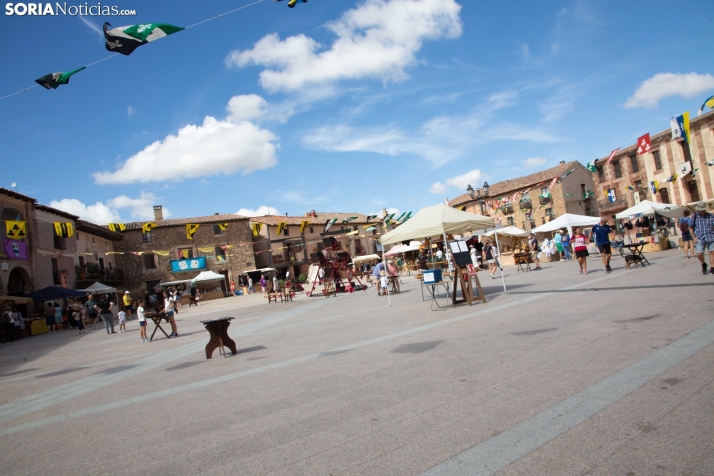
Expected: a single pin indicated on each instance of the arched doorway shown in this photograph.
(18, 283)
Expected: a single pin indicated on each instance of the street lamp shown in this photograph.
(485, 189)
(470, 191)
(476, 194)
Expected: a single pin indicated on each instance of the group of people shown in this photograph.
(698, 235)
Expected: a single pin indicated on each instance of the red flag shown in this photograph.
(555, 179)
(643, 144)
(612, 154)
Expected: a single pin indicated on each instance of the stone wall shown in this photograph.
(239, 256)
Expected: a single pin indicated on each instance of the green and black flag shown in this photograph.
(53, 80)
(125, 39)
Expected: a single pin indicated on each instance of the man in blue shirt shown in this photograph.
(601, 234)
(702, 225)
(377, 273)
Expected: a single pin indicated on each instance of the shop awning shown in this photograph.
(99, 288)
(15, 300)
(51, 293)
(208, 276)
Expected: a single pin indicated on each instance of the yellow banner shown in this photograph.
(16, 230)
(116, 227)
(191, 230)
(147, 227)
(256, 228)
(303, 224)
(223, 226)
(281, 227)
(64, 229)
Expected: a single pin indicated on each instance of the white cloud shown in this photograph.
(393, 210)
(378, 39)
(246, 107)
(214, 147)
(130, 111)
(464, 180)
(141, 208)
(438, 188)
(534, 161)
(259, 212)
(662, 85)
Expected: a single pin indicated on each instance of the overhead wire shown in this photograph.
(117, 54)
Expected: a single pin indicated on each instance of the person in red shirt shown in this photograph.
(580, 246)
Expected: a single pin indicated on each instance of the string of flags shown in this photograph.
(124, 40)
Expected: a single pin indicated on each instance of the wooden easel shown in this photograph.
(467, 288)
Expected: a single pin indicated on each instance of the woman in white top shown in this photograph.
(169, 311)
(142, 320)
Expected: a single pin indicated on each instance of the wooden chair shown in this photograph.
(273, 294)
(329, 288)
(523, 261)
(287, 292)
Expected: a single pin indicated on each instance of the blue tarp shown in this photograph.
(50, 293)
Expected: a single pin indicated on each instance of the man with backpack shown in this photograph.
(684, 227)
(702, 226)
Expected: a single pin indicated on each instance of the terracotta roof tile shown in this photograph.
(14, 194)
(55, 211)
(519, 183)
(185, 221)
(322, 217)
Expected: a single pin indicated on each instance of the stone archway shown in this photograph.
(19, 282)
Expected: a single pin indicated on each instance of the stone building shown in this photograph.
(290, 250)
(95, 258)
(221, 243)
(667, 157)
(54, 255)
(529, 201)
(17, 273)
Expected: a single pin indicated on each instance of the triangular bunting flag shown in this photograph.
(54, 80)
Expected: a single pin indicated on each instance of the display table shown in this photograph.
(156, 319)
(431, 289)
(218, 330)
(37, 326)
(636, 250)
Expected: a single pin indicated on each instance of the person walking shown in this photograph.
(233, 289)
(251, 289)
(169, 312)
(8, 323)
(122, 321)
(558, 242)
(58, 317)
(565, 242)
(91, 307)
(263, 283)
(533, 248)
(192, 298)
(142, 320)
(474, 258)
(702, 226)
(50, 318)
(489, 256)
(127, 303)
(377, 274)
(601, 233)
(76, 316)
(685, 226)
(104, 309)
(580, 245)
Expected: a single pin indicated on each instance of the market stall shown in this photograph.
(208, 283)
(510, 242)
(655, 239)
(438, 221)
(23, 305)
(36, 323)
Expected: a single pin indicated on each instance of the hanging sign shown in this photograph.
(190, 264)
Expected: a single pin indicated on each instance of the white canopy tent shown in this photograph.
(413, 246)
(646, 207)
(359, 259)
(395, 250)
(438, 221)
(506, 231)
(208, 276)
(568, 221)
(99, 288)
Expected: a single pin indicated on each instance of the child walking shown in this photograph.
(142, 320)
(122, 321)
(383, 282)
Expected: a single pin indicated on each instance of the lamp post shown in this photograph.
(476, 194)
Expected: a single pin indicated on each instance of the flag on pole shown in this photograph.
(328, 224)
(53, 80)
(591, 167)
(611, 195)
(125, 39)
(709, 102)
(303, 224)
(644, 144)
(676, 131)
(612, 154)
(116, 227)
(683, 122)
(654, 186)
(191, 230)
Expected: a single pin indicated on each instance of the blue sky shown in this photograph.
(336, 105)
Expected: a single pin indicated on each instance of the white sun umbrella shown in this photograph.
(395, 250)
(567, 220)
(645, 207)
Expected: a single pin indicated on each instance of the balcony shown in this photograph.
(91, 273)
(605, 205)
(507, 209)
(526, 205)
(545, 200)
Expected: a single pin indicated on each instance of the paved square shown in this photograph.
(565, 374)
